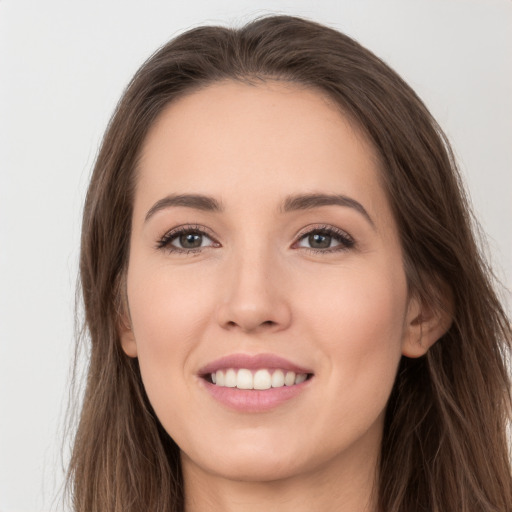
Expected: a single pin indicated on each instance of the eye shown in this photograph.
(325, 239)
(186, 240)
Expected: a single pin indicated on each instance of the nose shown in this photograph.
(254, 296)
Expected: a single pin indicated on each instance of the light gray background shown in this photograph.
(63, 66)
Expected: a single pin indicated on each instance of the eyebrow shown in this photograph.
(195, 201)
(310, 201)
(291, 203)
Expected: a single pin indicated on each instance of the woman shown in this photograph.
(285, 301)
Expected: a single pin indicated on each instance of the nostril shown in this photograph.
(266, 323)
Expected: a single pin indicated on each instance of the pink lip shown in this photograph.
(252, 401)
(252, 362)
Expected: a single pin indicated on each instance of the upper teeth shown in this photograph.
(260, 379)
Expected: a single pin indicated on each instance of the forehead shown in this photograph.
(261, 140)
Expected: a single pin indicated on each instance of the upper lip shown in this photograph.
(252, 362)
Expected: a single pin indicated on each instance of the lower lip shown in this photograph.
(254, 400)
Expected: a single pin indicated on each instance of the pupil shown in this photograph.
(190, 241)
(319, 241)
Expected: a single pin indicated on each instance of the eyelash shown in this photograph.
(166, 241)
(346, 242)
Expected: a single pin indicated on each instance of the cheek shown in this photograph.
(358, 320)
(362, 304)
(168, 315)
(166, 304)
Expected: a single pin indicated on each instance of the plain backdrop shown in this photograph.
(63, 65)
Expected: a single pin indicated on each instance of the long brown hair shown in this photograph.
(444, 446)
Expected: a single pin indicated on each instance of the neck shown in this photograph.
(341, 485)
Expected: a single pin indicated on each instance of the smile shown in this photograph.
(254, 383)
(260, 379)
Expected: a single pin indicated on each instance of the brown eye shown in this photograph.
(189, 241)
(326, 240)
(319, 241)
(185, 240)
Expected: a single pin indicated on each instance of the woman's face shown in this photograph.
(263, 251)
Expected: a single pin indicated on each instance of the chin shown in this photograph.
(255, 467)
(247, 456)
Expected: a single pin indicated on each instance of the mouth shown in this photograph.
(258, 379)
(254, 383)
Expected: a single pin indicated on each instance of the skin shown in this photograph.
(255, 286)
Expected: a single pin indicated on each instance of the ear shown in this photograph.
(126, 337)
(425, 324)
(124, 323)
